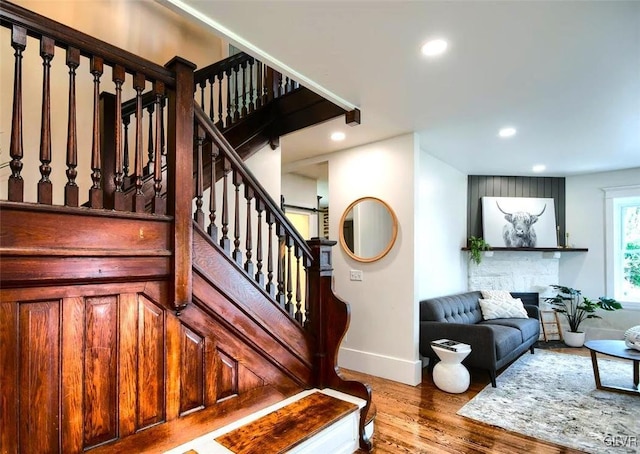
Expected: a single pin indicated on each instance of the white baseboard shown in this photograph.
(396, 369)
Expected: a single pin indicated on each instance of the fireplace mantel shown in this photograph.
(535, 249)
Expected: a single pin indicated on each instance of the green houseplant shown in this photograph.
(476, 246)
(577, 308)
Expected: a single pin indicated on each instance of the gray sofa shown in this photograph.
(494, 343)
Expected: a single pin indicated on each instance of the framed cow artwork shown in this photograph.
(519, 222)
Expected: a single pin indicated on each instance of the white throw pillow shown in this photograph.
(512, 308)
(496, 295)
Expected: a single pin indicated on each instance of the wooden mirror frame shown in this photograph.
(392, 240)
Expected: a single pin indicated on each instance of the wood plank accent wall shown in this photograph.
(509, 186)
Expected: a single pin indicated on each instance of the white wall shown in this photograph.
(381, 337)
(586, 226)
(441, 229)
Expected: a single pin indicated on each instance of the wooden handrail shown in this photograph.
(65, 37)
(250, 180)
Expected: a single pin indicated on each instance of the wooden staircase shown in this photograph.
(170, 304)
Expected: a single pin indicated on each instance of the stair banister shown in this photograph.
(250, 180)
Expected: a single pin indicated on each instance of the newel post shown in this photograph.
(329, 319)
(319, 276)
(180, 176)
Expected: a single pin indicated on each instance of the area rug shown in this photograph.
(552, 396)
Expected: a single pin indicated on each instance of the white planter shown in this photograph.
(573, 339)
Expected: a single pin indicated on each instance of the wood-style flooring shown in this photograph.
(422, 419)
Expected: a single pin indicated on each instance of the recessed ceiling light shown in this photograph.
(434, 47)
(507, 132)
(539, 168)
(337, 136)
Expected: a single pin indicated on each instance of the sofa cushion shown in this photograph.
(507, 339)
(459, 308)
(528, 327)
(511, 308)
(498, 295)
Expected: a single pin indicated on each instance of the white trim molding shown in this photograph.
(612, 236)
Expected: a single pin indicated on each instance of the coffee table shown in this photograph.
(617, 349)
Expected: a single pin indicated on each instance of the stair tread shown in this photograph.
(287, 427)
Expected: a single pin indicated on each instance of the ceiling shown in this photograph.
(565, 74)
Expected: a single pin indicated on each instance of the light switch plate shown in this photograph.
(355, 275)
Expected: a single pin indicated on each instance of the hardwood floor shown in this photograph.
(422, 419)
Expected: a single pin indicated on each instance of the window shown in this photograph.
(627, 264)
(623, 244)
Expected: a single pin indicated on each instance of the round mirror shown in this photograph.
(368, 229)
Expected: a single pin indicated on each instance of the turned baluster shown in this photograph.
(138, 204)
(212, 114)
(213, 229)
(271, 287)
(198, 216)
(203, 86)
(298, 315)
(126, 121)
(289, 304)
(159, 203)
(280, 296)
(16, 147)
(228, 119)
(95, 193)
(45, 190)
(163, 148)
(280, 89)
(251, 95)
(71, 188)
(244, 89)
(259, 93)
(237, 254)
(118, 75)
(248, 264)
(224, 241)
(236, 112)
(259, 274)
(150, 142)
(220, 121)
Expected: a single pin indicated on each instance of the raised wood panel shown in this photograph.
(151, 341)
(73, 312)
(513, 186)
(248, 380)
(128, 364)
(100, 370)
(227, 376)
(192, 391)
(9, 377)
(247, 357)
(39, 376)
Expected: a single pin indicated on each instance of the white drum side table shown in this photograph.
(449, 374)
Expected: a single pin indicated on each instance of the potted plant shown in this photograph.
(476, 246)
(577, 308)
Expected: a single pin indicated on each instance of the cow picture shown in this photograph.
(519, 230)
(519, 222)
